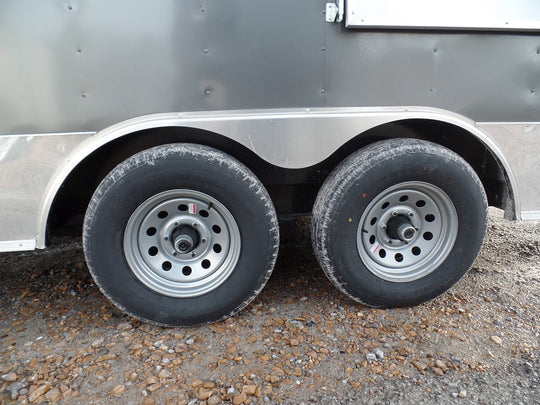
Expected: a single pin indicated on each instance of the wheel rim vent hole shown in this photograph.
(217, 248)
(430, 217)
(385, 205)
(416, 251)
(420, 203)
(398, 257)
(186, 270)
(166, 266)
(204, 213)
(153, 251)
(403, 198)
(382, 253)
(216, 229)
(372, 239)
(205, 264)
(373, 221)
(162, 214)
(428, 235)
(182, 207)
(151, 231)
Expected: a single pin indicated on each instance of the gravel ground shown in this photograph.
(301, 341)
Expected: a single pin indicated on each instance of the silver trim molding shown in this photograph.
(530, 215)
(294, 138)
(17, 245)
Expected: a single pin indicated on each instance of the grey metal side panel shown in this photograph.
(27, 164)
(484, 77)
(499, 15)
(85, 65)
(521, 146)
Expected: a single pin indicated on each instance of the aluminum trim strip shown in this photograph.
(530, 215)
(268, 134)
(17, 245)
(84, 133)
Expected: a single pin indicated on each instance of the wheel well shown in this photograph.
(486, 165)
(292, 190)
(68, 208)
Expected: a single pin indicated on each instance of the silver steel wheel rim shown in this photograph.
(407, 231)
(182, 243)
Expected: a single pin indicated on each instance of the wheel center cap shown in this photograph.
(399, 227)
(185, 238)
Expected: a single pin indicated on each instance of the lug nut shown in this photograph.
(411, 214)
(384, 227)
(394, 213)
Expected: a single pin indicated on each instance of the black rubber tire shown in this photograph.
(351, 187)
(170, 167)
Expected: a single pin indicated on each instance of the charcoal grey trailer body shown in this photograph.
(237, 111)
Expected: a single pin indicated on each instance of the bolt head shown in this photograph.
(394, 213)
(384, 227)
(411, 214)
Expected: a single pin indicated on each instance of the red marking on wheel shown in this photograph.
(376, 248)
(192, 209)
(364, 195)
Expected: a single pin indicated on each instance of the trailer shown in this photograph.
(176, 133)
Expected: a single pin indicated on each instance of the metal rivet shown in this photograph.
(533, 91)
(394, 213)
(411, 214)
(435, 50)
(83, 95)
(322, 91)
(207, 92)
(194, 224)
(431, 89)
(70, 7)
(205, 51)
(384, 227)
(323, 48)
(166, 238)
(538, 51)
(203, 10)
(203, 240)
(79, 50)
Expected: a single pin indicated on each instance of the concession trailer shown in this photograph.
(175, 133)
